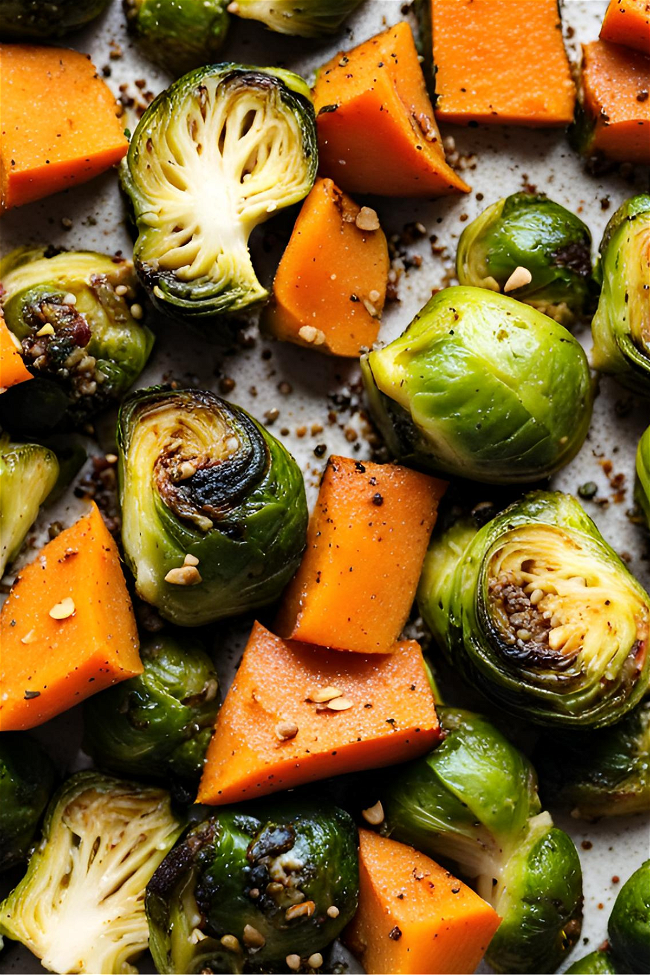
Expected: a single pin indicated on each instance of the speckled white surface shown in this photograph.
(505, 161)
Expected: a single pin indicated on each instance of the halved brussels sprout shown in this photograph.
(540, 614)
(621, 325)
(482, 386)
(304, 18)
(530, 231)
(160, 723)
(213, 156)
(602, 773)
(77, 316)
(26, 782)
(28, 472)
(642, 486)
(596, 963)
(178, 34)
(473, 802)
(214, 516)
(35, 20)
(248, 887)
(80, 906)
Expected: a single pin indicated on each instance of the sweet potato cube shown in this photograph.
(298, 713)
(414, 917)
(330, 286)
(376, 129)
(366, 543)
(67, 629)
(499, 62)
(12, 368)
(627, 22)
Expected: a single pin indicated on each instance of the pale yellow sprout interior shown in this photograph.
(635, 258)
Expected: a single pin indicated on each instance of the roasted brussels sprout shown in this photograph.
(28, 472)
(178, 34)
(247, 888)
(532, 232)
(621, 325)
(160, 723)
(473, 802)
(77, 319)
(26, 781)
(36, 20)
(304, 18)
(482, 386)
(642, 487)
(540, 614)
(80, 906)
(212, 157)
(596, 963)
(214, 515)
(601, 773)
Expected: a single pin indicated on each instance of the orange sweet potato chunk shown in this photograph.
(59, 122)
(47, 665)
(376, 129)
(12, 368)
(501, 63)
(613, 78)
(330, 286)
(392, 717)
(627, 22)
(414, 917)
(366, 543)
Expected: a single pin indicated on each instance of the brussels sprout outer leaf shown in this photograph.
(629, 922)
(26, 781)
(33, 20)
(642, 487)
(28, 472)
(179, 34)
(314, 19)
(596, 963)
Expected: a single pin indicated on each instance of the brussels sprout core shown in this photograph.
(214, 156)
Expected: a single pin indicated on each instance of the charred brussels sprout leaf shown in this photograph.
(215, 155)
(304, 18)
(540, 614)
(35, 20)
(642, 487)
(73, 315)
(629, 923)
(481, 386)
(26, 781)
(178, 34)
(621, 325)
(533, 232)
(202, 480)
(244, 876)
(159, 723)
(28, 472)
(80, 906)
(473, 802)
(602, 773)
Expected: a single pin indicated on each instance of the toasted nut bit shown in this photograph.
(536, 596)
(230, 942)
(312, 335)
(374, 814)
(121, 290)
(29, 637)
(520, 277)
(293, 961)
(315, 960)
(111, 458)
(186, 469)
(333, 911)
(63, 610)
(46, 330)
(322, 694)
(374, 295)
(16, 341)
(370, 308)
(367, 219)
(306, 909)
(69, 299)
(253, 938)
(285, 730)
(137, 311)
(190, 559)
(184, 575)
(340, 704)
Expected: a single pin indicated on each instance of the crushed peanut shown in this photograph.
(63, 610)
(69, 299)
(374, 814)
(315, 960)
(367, 219)
(322, 694)
(374, 295)
(29, 637)
(137, 311)
(185, 470)
(46, 330)
(519, 278)
(333, 911)
(184, 575)
(190, 559)
(122, 289)
(253, 938)
(308, 333)
(340, 704)
(293, 961)
(230, 942)
(111, 458)
(306, 909)
(285, 730)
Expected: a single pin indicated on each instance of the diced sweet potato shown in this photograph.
(627, 22)
(12, 368)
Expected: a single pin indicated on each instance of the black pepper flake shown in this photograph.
(319, 449)
(30, 695)
(395, 934)
(377, 499)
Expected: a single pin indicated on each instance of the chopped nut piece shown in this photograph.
(370, 308)
(520, 277)
(340, 704)
(185, 470)
(333, 911)
(367, 219)
(286, 730)
(306, 909)
(197, 935)
(230, 942)
(121, 290)
(29, 637)
(46, 330)
(253, 938)
(315, 960)
(63, 610)
(137, 311)
(322, 694)
(190, 559)
(374, 814)
(374, 296)
(111, 458)
(184, 575)
(69, 299)
(312, 335)
(293, 961)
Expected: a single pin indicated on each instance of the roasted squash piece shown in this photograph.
(627, 22)
(12, 368)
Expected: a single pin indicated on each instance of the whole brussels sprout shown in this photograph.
(26, 781)
(596, 963)
(539, 613)
(601, 773)
(213, 156)
(159, 723)
(74, 315)
(214, 515)
(482, 386)
(37, 20)
(178, 34)
(80, 906)
(473, 801)
(244, 889)
(621, 325)
(642, 486)
(28, 472)
(316, 18)
(530, 231)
